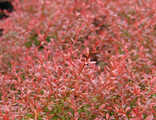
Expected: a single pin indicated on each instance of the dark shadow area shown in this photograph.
(5, 5)
(1, 32)
(2, 15)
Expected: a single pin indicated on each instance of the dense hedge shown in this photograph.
(78, 60)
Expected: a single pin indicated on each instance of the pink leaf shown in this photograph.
(102, 106)
(79, 107)
(116, 109)
(76, 114)
(128, 108)
(87, 50)
(150, 117)
(70, 113)
(107, 115)
(6, 108)
(50, 108)
(65, 103)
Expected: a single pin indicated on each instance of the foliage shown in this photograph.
(78, 60)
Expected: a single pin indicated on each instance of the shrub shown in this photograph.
(78, 60)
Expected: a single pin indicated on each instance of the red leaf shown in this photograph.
(19, 101)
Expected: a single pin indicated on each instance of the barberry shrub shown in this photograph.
(78, 60)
